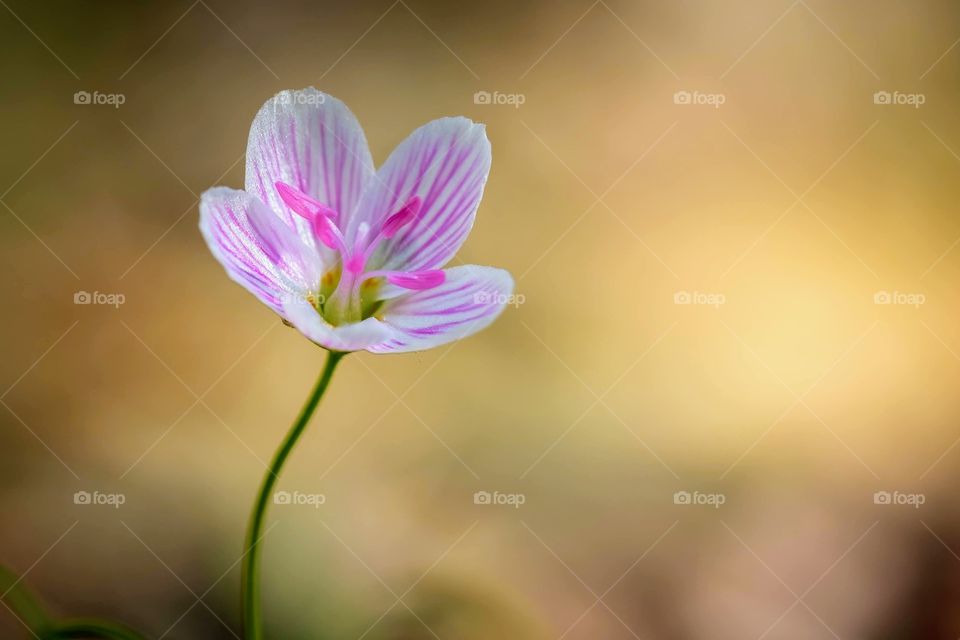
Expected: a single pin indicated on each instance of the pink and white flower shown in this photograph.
(350, 255)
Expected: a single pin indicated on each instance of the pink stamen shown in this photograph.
(328, 233)
(320, 215)
(363, 249)
(346, 297)
(416, 280)
(401, 218)
(302, 204)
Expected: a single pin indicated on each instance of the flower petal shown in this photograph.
(445, 163)
(469, 300)
(256, 248)
(311, 141)
(348, 337)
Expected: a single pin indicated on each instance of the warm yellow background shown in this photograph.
(598, 398)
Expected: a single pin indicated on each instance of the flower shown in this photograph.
(350, 255)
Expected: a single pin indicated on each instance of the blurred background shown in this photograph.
(724, 406)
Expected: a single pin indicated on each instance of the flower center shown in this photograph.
(348, 292)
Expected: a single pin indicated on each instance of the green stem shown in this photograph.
(89, 628)
(31, 613)
(252, 621)
(25, 605)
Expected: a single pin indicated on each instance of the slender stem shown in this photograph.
(252, 622)
(90, 628)
(31, 612)
(25, 605)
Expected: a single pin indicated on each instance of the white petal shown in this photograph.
(311, 141)
(469, 300)
(256, 248)
(348, 337)
(445, 163)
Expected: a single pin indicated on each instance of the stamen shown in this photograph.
(401, 218)
(328, 233)
(416, 280)
(346, 303)
(321, 216)
(302, 204)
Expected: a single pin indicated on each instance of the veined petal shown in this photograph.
(445, 163)
(256, 248)
(311, 141)
(470, 299)
(348, 337)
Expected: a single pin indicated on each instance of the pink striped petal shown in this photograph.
(469, 300)
(256, 248)
(445, 163)
(312, 142)
(348, 337)
(417, 280)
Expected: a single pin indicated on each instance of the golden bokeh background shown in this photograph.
(786, 390)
